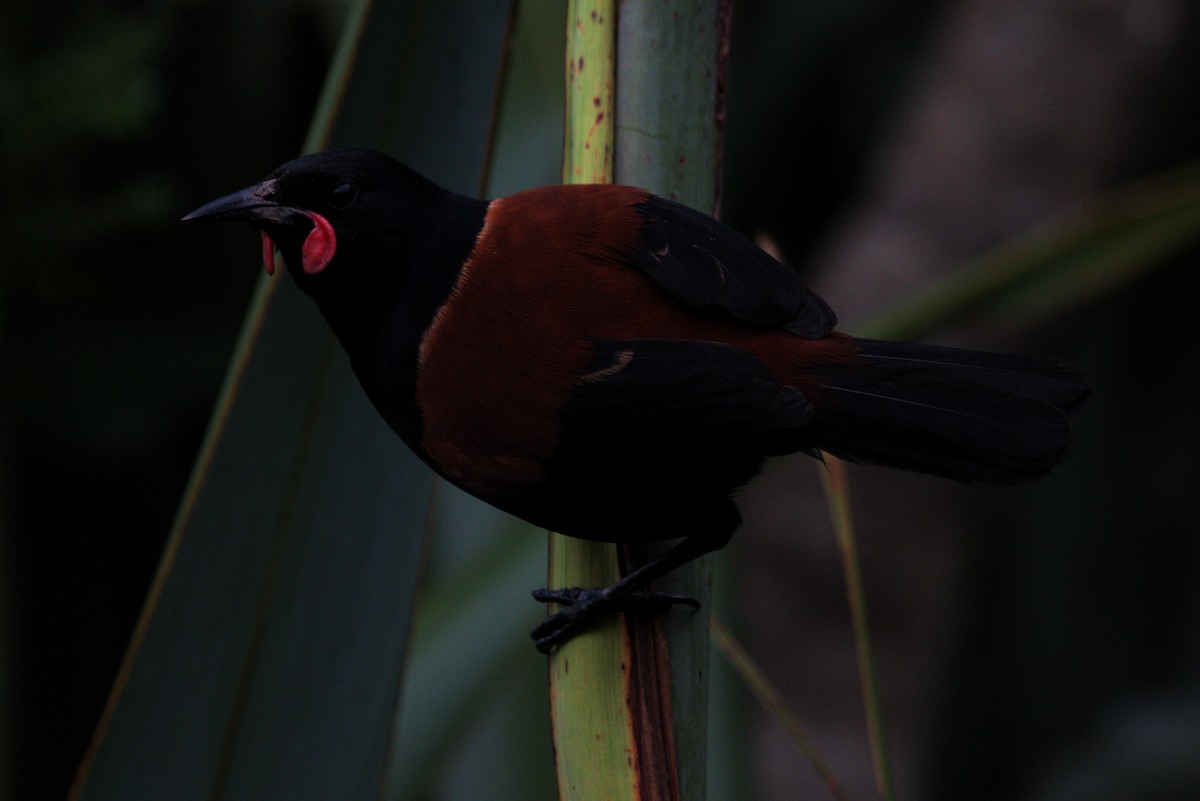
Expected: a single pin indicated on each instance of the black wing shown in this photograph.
(708, 265)
(646, 398)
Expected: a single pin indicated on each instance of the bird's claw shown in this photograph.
(582, 608)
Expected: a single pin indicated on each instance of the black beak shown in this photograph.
(254, 204)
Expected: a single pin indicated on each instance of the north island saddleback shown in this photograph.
(615, 366)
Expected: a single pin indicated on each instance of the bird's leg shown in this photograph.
(583, 607)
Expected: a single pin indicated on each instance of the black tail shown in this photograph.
(991, 417)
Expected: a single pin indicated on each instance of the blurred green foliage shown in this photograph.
(115, 331)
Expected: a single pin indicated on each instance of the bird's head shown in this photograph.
(315, 211)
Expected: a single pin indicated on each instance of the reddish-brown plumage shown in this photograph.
(547, 276)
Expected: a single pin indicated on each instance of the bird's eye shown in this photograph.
(341, 196)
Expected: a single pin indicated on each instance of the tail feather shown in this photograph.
(996, 418)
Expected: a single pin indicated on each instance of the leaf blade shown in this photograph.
(255, 671)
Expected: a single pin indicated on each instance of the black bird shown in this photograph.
(615, 366)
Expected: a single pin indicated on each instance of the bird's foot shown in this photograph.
(582, 608)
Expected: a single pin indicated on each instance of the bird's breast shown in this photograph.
(498, 360)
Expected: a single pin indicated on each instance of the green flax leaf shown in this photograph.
(269, 657)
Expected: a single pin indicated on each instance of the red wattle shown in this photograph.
(319, 245)
(268, 252)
